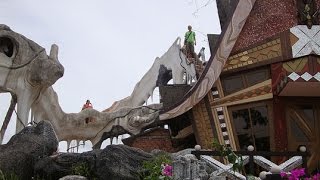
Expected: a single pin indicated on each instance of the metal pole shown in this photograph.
(251, 163)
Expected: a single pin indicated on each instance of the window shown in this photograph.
(256, 77)
(298, 134)
(252, 127)
(308, 111)
(305, 114)
(234, 83)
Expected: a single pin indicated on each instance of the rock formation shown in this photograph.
(32, 153)
(19, 155)
(113, 163)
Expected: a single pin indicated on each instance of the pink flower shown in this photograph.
(283, 174)
(296, 174)
(167, 170)
(316, 176)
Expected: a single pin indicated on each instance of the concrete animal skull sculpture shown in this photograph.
(28, 72)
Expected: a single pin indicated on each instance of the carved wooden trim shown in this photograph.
(256, 55)
(249, 100)
(221, 118)
(286, 39)
(210, 113)
(229, 127)
(217, 124)
(202, 124)
(296, 65)
(253, 93)
(220, 88)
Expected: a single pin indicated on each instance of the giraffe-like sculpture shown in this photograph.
(28, 72)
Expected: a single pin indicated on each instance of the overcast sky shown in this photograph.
(105, 46)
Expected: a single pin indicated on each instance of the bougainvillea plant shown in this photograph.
(158, 168)
(166, 170)
(299, 174)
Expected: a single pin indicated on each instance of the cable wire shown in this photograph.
(25, 64)
(205, 5)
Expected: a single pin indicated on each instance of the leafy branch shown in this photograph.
(227, 153)
(157, 168)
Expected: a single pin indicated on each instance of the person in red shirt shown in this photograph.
(87, 105)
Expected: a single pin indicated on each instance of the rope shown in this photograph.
(25, 64)
(8, 116)
(205, 37)
(21, 66)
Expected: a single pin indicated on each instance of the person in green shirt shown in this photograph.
(190, 42)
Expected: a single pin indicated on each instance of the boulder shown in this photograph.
(19, 155)
(189, 167)
(120, 162)
(113, 163)
(63, 164)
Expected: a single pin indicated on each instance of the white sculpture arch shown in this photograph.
(173, 60)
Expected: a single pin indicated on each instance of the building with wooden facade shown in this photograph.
(268, 92)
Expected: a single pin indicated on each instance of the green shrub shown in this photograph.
(153, 169)
(10, 176)
(82, 169)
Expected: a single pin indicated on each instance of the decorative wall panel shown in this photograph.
(257, 54)
(308, 40)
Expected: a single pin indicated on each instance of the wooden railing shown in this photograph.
(254, 154)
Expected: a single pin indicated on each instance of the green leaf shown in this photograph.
(231, 158)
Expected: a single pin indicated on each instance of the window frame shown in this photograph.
(269, 107)
(243, 76)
